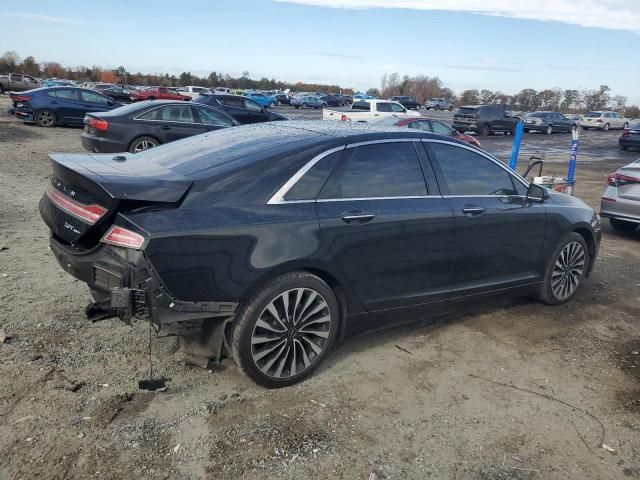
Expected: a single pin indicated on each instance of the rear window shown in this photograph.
(593, 114)
(361, 106)
(467, 110)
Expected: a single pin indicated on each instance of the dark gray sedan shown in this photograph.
(548, 122)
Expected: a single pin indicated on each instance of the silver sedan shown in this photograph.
(621, 200)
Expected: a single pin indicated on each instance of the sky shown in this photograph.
(504, 45)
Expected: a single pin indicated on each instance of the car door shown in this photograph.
(389, 234)
(66, 104)
(94, 102)
(173, 122)
(617, 118)
(563, 122)
(498, 234)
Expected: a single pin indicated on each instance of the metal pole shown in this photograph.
(572, 160)
(513, 161)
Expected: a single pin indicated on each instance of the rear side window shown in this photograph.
(366, 106)
(308, 187)
(592, 114)
(92, 97)
(377, 170)
(469, 173)
(64, 94)
(170, 113)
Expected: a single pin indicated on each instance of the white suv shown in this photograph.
(603, 120)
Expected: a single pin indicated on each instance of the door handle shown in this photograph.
(357, 217)
(165, 127)
(472, 210)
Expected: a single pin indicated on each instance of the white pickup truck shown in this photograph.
(368, 110)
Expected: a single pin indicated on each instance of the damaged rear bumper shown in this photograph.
(124, 284)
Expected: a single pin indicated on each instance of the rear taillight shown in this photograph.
(617, 180)
(87, 213)
(625, 132)
(599, 120)
(122, 237)
(98, 124)
(21, 98)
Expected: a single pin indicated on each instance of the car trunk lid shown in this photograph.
(628, 181)
(86, 192)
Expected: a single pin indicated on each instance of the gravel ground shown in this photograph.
(429, 398)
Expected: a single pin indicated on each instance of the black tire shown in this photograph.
(296, 106)
(304, 105)
(622, 225)
(626, 125)
(151, 98)
(526, 130)
(451, 108)
(45, 118)
(606, 127)
(485, 130)
(585, 128)
(437, 107)
(1, 89)
(143, 143)
(548, 130)
(545, 293)
(624, 148)
(243, 341)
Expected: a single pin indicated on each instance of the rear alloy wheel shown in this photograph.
(606, 127)
(141, 144)
(45, 118)
(304, 105)
(437, 107)
(565, 272)
(622, 225)
(549, 130)
(285, 330)
(485, 130)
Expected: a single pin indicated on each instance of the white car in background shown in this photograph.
(369, 110)
(603, 120)
(192, 91)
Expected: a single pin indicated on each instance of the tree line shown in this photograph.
(421, 87)
(10, 62)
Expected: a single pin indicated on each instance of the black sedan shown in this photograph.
(630, 137)
(143, 125)
(548, 122)
(407, 102)
(118, 93)
(243, 109)
(276, 239)
(332, 101)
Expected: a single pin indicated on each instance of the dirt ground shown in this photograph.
(428, 399)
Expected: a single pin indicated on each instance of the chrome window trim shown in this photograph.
(278, 197)
(172, 121)
(485, 155)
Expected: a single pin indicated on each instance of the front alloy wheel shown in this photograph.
(565, 274)
(284, 331)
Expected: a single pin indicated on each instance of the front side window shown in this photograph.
(441, 128)
(170, 113)
(377, 170)
(92, 97)
(385, 107)
(252, 105)
(211, 117)
(231, 101)
(397, 108)
(471, 174)
(419, 125)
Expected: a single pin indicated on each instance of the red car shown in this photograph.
(157, 93)
(428, 125)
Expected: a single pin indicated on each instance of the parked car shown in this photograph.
(368, 110)
(427, 125)
(331, 101)
(99, 87)
(630, 137)
(226, 90)
(407, 102)
(16, 82)
(157, 93)
(620, 202)
(147, 124)
(48, 107)
(548, 122)
(192, 91)
(265, 234)
(118, 93)
(57, 83)
(262, 100)
(438, 104)
(603, 120)
(282, 99)
(307, 101)
(484, 119)
(243, 109)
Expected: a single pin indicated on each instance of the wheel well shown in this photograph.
(588, 238)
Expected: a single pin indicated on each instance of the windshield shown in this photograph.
(593, 114)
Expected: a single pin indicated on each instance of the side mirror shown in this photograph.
(536, 193)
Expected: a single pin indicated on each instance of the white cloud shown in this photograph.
(610, 14)
(40, 18)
